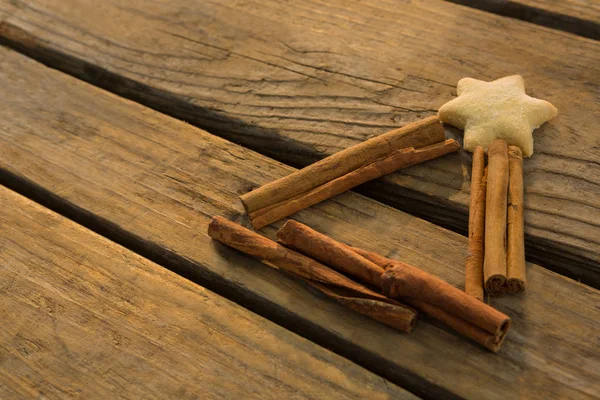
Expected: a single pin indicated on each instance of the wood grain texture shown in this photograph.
(300, 81)
(581, 17)
(84, 317)
(154, 183)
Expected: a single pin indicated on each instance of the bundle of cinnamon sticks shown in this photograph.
(496, 260)
(386, 290)
(333, 284)
(412, 144)
(322, 262)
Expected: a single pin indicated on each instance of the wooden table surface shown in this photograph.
(581, 17)
(96, 320)
(109, 285)
(299, 81)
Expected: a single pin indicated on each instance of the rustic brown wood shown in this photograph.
(154, 183)
(581, 17)
(84, 317)
(299, 81)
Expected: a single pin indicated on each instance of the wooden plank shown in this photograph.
(300, 81)
(153, 183)
(581, 17)
(85, 317)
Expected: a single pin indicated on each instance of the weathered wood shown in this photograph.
(84, 317)
(301, 80)
(154, 183)
(581, 17)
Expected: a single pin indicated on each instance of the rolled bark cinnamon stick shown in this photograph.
(386, 311)
(464, 313)
(419, 134)
(329, 251)
(474, 266)
(494, 264)
(491, 340)
(409, 281)
(405, 281)
(331, 283)
(375, 258)
(515, 264)
(396, 160)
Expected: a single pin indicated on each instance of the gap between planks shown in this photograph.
(574, 16)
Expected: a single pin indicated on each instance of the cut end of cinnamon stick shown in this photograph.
(495, 343)
(495, 285)
(515, 285)
(515, 152)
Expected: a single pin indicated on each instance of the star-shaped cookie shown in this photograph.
(496, 110)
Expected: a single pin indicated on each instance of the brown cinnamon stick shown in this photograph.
(405, 281)
(375, 258)
(419, 134)
(329, 251)
(398, 159)
(384, 310)
(515, 263)
(464, 313)
(491, 340)
(474, 267)
(494, 264)
(331, 283)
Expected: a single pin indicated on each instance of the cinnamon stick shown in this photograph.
(474, 267)
(328, 251)
(515, 262)
(490, 340)
(384, 310)
(329, 282)
(419, 134)
(464, 313)
(405, 281)
(494, 264)
(396, 160)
